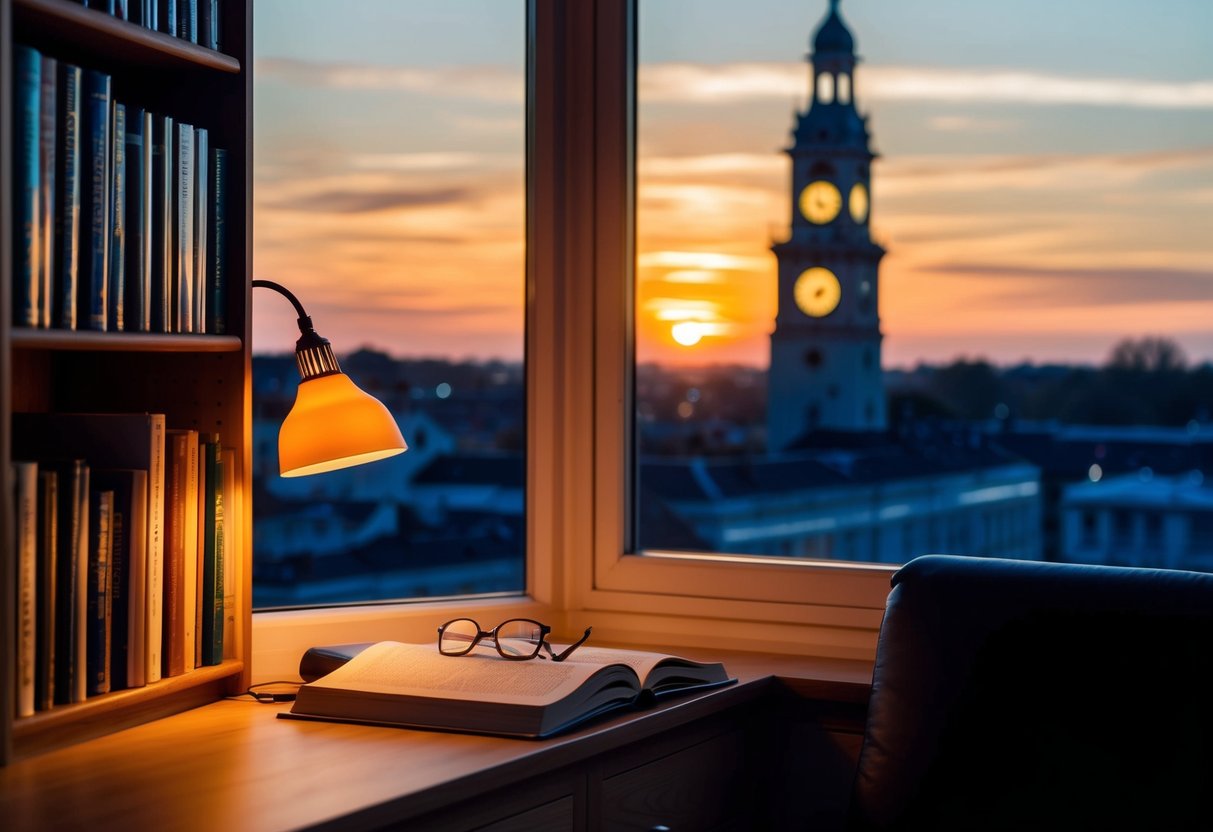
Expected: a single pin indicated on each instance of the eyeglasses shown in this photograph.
(517, 639)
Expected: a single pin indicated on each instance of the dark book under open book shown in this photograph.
(413, 686)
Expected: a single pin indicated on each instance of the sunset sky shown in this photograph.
(1045, 185)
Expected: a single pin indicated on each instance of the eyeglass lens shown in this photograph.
(515, 639)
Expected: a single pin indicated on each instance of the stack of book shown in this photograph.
(119, 212)
(194, 20)
(122, 529)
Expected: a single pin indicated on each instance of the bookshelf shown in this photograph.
(198, 381)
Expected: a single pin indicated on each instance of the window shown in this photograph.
(390, 198)
(1015, 318)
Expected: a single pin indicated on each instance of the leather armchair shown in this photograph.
(1021, 695)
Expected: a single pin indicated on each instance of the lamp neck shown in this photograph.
(313, 354)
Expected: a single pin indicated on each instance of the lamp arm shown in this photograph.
(313, 354)
(305, 320)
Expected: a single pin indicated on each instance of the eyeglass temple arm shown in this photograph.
(564, 654)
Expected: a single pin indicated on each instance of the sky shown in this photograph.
(1044, 186)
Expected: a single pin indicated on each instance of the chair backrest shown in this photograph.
(1014, 695)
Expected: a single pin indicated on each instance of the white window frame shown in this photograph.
(579, 572)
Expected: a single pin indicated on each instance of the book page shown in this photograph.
(393, 668)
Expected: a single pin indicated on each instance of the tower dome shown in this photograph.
(833, 35)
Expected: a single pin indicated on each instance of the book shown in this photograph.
(47, 133)
(412, 685)
(25, 504)
(138, 187)
(161, 207)
(117, 266)
(208, 23)
(217, 245)
(167, 16)
(44, 627)
(201, 212)
(128, 534)
(27, 247)
(67, 187)
(111, 440)
(210, 589)
(99, 611)
(93, 298)
(71, 584)
(182, 282)
(233, 542)
(187, 20)
(180, 550)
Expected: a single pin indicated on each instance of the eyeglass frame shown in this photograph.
(544, 631)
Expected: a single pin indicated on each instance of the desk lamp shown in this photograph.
(333, 424)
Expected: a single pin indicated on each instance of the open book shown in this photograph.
(412, 685)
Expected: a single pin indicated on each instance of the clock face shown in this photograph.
(817, 292)
(859, 203)
(820, 202)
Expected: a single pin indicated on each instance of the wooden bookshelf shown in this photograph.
(197, 381)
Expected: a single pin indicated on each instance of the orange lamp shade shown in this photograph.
(334, 425)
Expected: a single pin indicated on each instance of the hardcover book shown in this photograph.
(27, 65)
(161, 209)
(95, 202)
(44, 626)
(47, 133)
(414, 686)
(137, 221)
(183, 229)
(216, 226)
(117, 212)
(67, 187)
(201, 213)
(25, 475)
(100, 554)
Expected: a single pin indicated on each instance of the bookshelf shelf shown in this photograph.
(52, 339)
(200, 383)
(92, 32)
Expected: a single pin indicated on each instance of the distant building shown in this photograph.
(825, 369)
(1140, 519)
(872, 501)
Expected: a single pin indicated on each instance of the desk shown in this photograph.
(233, 765)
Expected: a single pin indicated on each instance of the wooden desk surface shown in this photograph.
(233, 765)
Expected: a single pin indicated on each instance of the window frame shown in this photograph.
(580, 571)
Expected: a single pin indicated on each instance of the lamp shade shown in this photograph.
(333, 425)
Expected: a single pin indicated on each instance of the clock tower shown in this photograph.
(825, 349)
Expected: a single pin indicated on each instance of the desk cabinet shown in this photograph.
(701, 777)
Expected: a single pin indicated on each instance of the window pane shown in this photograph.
(952, 297)
(389, 197)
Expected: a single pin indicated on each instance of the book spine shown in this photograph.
(48, 521)
(175, 472)
(221, 556)
(201, 210)
(71, 583)
(189, 576)
(48, 112)
(212, 570)
(121, 483)
(117, 209)
(137, 256)
(183, 228)
(67, 175)
(137, 12)
(161, 224)
(101, 510)
(27, 65)
(122, 9)
(200, 557)
(167, 22)
(151, 16)
(233, 541)
(25, 481)
(217, 246)
(155, 548)
(95, 220)
(207, 25)
(136, 640)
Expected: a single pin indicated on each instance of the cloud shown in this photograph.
(712, 164)
(967, 124)
(1047, 286)
(484, 83)
(362, 202)
(681, 82)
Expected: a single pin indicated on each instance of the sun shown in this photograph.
(688, 333)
